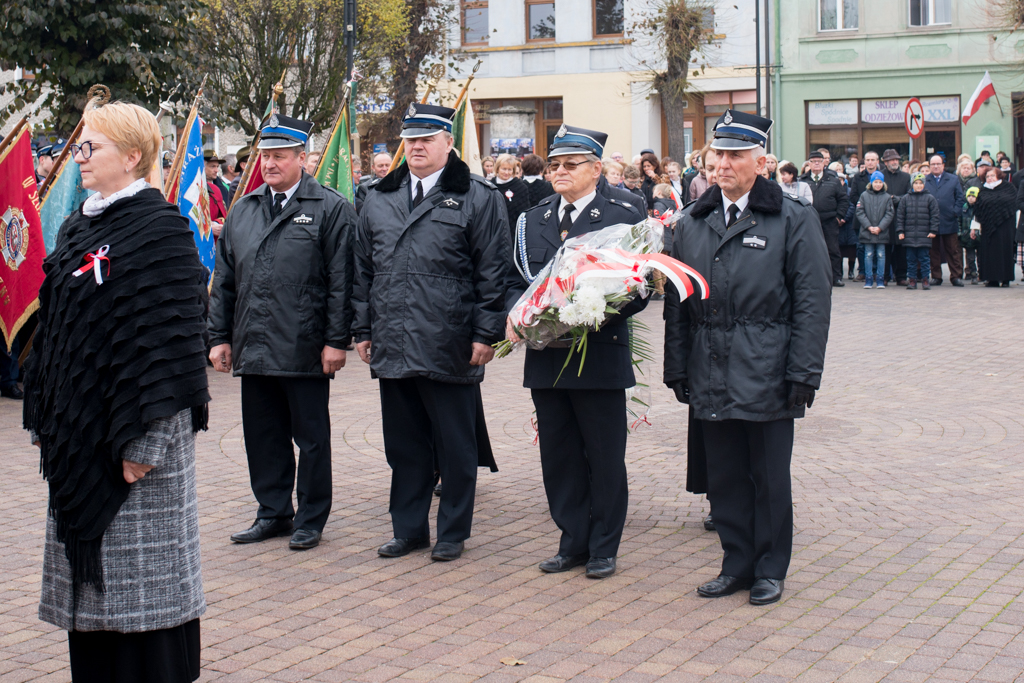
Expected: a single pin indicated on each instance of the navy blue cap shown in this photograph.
(740, 130)
(573, 140)
(284, 131)
(424, 120)
(52, 150)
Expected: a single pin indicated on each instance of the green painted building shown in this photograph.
(846, 70)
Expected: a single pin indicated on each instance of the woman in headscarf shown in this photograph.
(115, 390)
(995, 212)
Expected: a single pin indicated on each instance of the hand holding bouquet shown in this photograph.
(590, 279)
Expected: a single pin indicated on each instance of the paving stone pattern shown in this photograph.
(908, 491)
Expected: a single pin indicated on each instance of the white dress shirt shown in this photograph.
(577, 206)
(741, 203)
(428, 182)
(287, 193)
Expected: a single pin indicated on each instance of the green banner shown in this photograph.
(459, 125)
(335, 169)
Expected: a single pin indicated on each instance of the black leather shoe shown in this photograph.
(563, 563)
(600, 567)
(304, 539)
(766, 591)
(398, 547)
(838, 283)
(709, 524)
(12, 392)
(445, 551)
(956, 282)
(723, 585)
(262, 529)
(936, 282)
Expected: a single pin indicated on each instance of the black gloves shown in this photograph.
(682, 390)
(800, 395)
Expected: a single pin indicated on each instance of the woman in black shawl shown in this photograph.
(515, 191)
(996, 211)
(114, 392)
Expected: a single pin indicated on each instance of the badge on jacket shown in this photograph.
(451, 203)
(302, 218)
(595, 213)
(547, 214)
(508, 193)
(754, 241)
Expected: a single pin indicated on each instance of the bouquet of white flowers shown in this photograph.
(591, 278)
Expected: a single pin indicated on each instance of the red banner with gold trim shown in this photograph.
(21, 238)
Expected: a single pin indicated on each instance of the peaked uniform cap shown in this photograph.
(284, 131)
(424, 120)
(740, 130)
(573, 140)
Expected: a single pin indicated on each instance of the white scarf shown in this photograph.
(95, 204)
(993, 185)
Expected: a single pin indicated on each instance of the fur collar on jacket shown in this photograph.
(455, 177)
(765, 197)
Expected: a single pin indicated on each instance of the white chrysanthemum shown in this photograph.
(591, 303)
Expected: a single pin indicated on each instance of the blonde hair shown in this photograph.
(663, 191)
(131, 128)
(609, 166)
(505, 160)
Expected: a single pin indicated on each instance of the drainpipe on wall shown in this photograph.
(777, 100)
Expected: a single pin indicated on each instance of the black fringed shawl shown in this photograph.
(108, 359)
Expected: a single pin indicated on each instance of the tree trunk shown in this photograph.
(672, 104)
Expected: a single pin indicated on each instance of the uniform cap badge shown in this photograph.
(727, 119)
(274, 121)
(562, 131)
(412, 111)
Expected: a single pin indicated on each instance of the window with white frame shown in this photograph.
(930, 12)
(837, 15)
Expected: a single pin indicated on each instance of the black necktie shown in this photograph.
(278, 203)
(566, 223)
(419, 194)
(734, 212)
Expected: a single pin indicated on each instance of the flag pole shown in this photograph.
(337, 122)
(100, 94)
(240, 190)
(13, 134)
(435, 75)
(179, 155)
(465, 88)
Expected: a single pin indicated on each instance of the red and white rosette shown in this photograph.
(93, 263)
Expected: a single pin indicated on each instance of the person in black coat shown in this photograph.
(897, 184)
(831, 203)
(995, 211)
(431, 255)
(749, 358)
(533, 176)
(515, 191)
(581, 417)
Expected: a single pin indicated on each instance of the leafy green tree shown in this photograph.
(137, 48)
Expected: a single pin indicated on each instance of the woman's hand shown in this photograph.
(134, 471)
(510, 331)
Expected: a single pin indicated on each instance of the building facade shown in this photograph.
(576, 61)
(846, 70)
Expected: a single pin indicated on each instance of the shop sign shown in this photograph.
(941, 109)
(832, 113)
(883, 111)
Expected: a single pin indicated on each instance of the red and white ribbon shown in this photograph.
(92, 262)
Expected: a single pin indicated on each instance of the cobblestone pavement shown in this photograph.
(908, 484)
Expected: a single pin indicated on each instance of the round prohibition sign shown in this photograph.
(913, 118)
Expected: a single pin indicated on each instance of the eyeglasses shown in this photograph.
(569, 166)
(86, 148)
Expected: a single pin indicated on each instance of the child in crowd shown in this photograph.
(633, 180)
(917, 223)
(969, 245)
(663, 202)
(875, 214)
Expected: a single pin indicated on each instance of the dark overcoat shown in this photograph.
(609, 363)
(765, 323)
(430, 280)
(282, 286)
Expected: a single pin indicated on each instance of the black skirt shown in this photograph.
(170, 655)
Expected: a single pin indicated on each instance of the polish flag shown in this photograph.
(984, 91)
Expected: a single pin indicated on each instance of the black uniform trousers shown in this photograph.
(831, 229)
(751, 497)
(275, 412)
(583, 458)
(422, 417)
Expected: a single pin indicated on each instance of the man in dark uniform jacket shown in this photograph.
(749, 358)
(380, 167)
(280, 313)
(432, 254)
(832, 203)
(582, 420)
